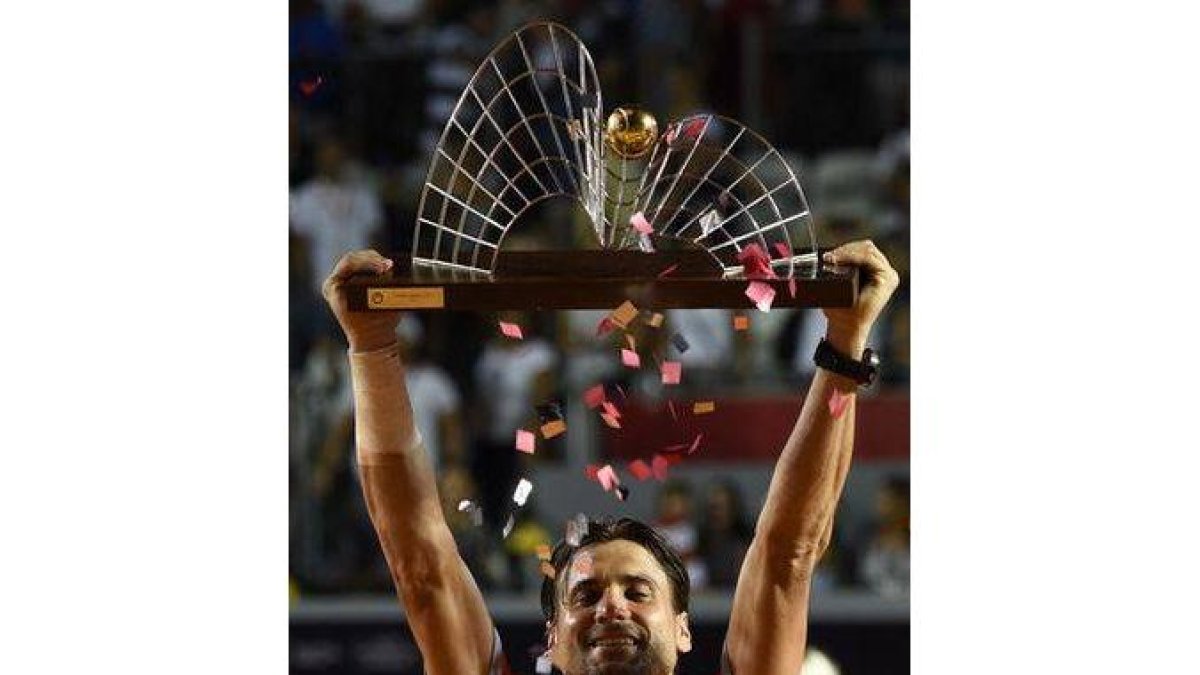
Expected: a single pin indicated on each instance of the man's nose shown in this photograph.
(613, 605)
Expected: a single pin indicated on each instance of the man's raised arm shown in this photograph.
(441, 601)
(769, 623)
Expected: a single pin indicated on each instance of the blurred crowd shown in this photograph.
(372, 83)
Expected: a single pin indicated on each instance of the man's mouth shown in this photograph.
(613, 642)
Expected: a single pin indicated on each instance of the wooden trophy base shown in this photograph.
(541, 280)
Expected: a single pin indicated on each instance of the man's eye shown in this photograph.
(637, 595)
(584, 598)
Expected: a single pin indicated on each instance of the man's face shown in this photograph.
(615, 616)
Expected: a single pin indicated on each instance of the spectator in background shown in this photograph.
(884, 561)
(337, 210)
(455, 487)
(673, 521)
(709, 334)
(437, 405)
(512, 377)
(724, 535)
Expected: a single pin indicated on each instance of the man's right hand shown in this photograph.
(365, 331)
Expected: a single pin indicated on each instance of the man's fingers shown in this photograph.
(862, 253)
(353, 263)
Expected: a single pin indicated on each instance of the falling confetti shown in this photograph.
(525, 441)
(695, 444)
(671, 372)
(473, 510)
(838, 402)
(755, 263)
(622, 315)
(610, 420)
(611, 409)
(631, 342)
(659, 466)
(521, 494)
(782, 249)
(655, 320)
(741, 322)
(703, 407)
(607, 477)
(640, 469)
(693, 128)
(508, 526)
(645, 243)
(709, 221)
(762, 295)
(511, 330)
(630, 359)
(639, 223)
(622, 493)
(594, 396)
(672, 133)
(723, 200)
(671, 407)
(604, 327)
(553, 428)
(544, 665)
(664, 273)
(792, 287)
(680, 343)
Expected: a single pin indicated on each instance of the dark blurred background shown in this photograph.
(371, 84)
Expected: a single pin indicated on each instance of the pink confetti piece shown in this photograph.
(792, 287)
(671, 407)
(640, 469)
(693, 128)
(755, 263)
(511, 330)
(838, 402)
(630, 359)
(604, 327)
(695, 444)
(607, 477)
(671, 372)
(610, 420)
(611, 410)
(525, 441)
(594, 396)
(672, 133)
(621, 391)
(591, 470)
(782, 249)
(639, 223)
(659, 466)
(762, 295)
(665, 272)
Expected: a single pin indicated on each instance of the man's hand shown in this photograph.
(849, 327)
(365, 331)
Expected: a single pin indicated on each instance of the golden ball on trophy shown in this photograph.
(630, 132)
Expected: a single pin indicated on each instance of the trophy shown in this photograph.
(694, 214)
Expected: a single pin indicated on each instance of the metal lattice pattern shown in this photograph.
(528, 127)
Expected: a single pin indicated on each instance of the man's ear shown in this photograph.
(683, 633)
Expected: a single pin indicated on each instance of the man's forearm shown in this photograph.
(798, 513)
(385, 436)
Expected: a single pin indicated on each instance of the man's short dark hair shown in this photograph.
(606, 530)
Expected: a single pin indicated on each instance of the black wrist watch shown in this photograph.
(864, 372)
